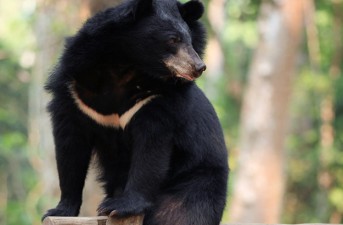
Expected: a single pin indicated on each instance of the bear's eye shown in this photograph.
(174, 40)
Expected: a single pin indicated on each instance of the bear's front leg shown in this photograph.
(128, 204)
(73, 153)
(152, 145)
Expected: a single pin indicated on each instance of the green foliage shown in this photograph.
(17, 173)
(314, 186)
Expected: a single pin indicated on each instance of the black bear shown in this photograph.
(124, 92)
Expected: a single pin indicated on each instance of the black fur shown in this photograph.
(170, 160)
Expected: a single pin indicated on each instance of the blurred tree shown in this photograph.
(327, 115)
(314, 189)
(98, 5)
(16, 59)
(260, 181)
(336, 70)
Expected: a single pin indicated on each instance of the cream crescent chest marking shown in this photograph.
(112, 120)
(127, 116)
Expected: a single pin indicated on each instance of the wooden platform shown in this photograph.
(99, 220)
(104, 220)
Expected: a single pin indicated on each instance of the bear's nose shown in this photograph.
(201, 67)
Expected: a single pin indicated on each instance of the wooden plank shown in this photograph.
(134, 220)
(99, 220)
(56, 220)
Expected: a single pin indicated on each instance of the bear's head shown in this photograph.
(165, 38)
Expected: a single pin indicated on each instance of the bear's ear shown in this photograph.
(192, 10)
(141, 8)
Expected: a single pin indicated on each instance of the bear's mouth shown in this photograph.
(185, 76)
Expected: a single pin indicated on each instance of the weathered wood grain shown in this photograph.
(133, 220)
(99, 220)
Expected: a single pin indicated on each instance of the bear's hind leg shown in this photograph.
(199, 201)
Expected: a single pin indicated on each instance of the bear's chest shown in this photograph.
(114, 120)
(117, 102)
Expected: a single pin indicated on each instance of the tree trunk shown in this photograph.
(214, 57)
(259, 182)
(98, 5)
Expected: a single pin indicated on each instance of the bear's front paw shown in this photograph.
(124, 206)
(63, 209)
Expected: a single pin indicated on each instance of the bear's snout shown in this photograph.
(200, 67)
(186, 63)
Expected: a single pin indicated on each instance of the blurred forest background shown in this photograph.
(274, 76)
